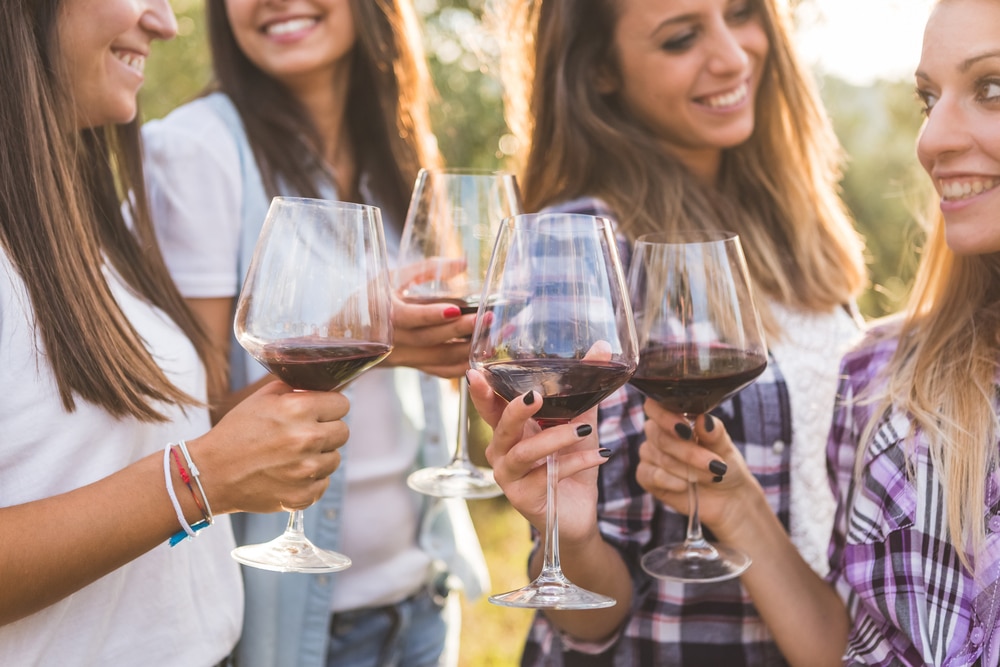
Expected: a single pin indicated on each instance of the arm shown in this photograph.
(274, 452)
(806, 616)
(517, 453)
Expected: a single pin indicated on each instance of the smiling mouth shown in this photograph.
(290, 26)
(957, 190)
(726, 100)
(131, 59)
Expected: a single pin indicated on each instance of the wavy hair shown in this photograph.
(779, 190)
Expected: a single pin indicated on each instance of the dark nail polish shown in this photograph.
(529, 398)
(717, 479)
(683, 430)
(605, 452)
(584, 429)
(709, 424)
(718, 468)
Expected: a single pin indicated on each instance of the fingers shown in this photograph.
(489, 406)
(697, 455)
(415, 316)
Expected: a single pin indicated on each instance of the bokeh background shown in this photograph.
(876, 118)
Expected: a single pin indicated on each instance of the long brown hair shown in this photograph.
(778, 190)
(387, 113)
(62, 194)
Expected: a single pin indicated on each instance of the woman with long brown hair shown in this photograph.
(668, 115)
(104, 372)
(326, 98)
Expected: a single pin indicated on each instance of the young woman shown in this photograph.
(913, 451)
(326, 98)
(103, 375)
(664, 115)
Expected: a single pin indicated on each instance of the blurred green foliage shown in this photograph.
(877, 125)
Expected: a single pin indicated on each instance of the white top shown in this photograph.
(195, 190)
(809, 357)
(172, 606)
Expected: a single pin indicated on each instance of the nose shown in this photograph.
(945, 131)
(158, 19)
(727, 54)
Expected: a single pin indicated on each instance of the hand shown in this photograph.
(671, 456)
(517, 454)
(273, 451)
(433, 338)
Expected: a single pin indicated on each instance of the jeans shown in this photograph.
(410, 633)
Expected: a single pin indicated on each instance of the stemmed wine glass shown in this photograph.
(700, 342)
(557, 322)
(448, 235)
(315, 311)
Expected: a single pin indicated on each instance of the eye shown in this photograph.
(741, 13)
(988, 90)
(680, 43)
(927, 101)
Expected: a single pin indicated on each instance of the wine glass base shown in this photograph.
(695, 564)
(291, 555)
(455, 481)
(553, 595)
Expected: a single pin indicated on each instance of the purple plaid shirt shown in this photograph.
(891, 561)
(670, 623)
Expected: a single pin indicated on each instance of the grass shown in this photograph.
(493, 636)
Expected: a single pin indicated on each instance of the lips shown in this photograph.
(964, 188)
(726, 100)
(290, 25)
(131, 59)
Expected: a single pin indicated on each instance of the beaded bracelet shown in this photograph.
(187, 530)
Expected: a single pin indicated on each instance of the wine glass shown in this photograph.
(700, 342)
(450, 228)
(315, 311)
(569, 336)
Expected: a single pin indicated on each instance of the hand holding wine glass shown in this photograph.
(448, 236)
(315, 309)
(558, 324)
(700, 342)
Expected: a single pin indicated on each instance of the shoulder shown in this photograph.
(195, 127)
(874, 351)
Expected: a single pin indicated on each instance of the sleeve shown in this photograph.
(195, 190)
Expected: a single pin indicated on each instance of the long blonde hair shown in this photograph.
(943, 374)
(779, 190)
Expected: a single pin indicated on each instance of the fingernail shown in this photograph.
(529, 398)
(584, 429)
(718, 468)
(709, 423)
(605, 452)
(451, 312)
(683, 430)
(717, 479)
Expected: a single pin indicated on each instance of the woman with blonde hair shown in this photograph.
(328, 99)
(668, 115)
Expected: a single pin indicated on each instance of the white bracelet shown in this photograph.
(195, 474)
(173, 496)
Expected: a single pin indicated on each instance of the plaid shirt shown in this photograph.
(892, 562)
(672, 623)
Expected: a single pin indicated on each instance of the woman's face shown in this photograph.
(294, 41)
(103, 45)
(689, 71)
(959, 145)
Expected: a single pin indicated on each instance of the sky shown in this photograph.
(863, 40)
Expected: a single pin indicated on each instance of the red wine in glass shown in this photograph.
(319, 364)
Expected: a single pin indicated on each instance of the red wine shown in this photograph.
(318, 364)
(568, 387)
(693, 380)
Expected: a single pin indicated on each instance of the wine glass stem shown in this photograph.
(551, 569)
(296, 525)
(694, 534)
(462, 448)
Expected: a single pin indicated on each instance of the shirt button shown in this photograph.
(977, 636)
(778, 446)
(994, 523)
(330, 514)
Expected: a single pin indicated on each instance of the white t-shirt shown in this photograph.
(196, 191)
(171, 606)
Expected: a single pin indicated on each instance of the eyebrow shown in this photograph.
(966, 64)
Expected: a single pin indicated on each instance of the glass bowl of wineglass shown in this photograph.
(557, 321)
(448, 236)
(315, 310)
(700, 342)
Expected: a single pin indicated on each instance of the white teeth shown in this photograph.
(953, 190)
(132, 60)
(727, 100)
(290, 26)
